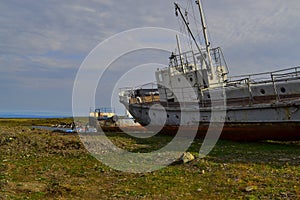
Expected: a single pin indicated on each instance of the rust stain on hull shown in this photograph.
(122, 129)
(243, 132)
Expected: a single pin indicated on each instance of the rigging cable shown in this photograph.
(183, 30)
(197, 23)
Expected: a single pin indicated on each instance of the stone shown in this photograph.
(249, 188)
(187, 157)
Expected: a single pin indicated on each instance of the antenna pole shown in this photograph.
(179, 50)
(207, 43)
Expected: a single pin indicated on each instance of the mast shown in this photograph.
(207, 43)
(179, 50)
(177, 8)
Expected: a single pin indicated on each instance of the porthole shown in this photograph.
(191, 79)
(168, 115)
(283, 90)
(262, 91)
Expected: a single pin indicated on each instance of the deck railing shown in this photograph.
(191, 61)
(273, 77)
(248, 82)
(264, 77)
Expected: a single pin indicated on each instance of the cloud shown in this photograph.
(256, 35)
(48, 40)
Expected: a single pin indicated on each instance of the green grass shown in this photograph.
(32, 122)
(38, 164)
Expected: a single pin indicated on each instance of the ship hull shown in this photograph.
(241, 131)
(244, 123)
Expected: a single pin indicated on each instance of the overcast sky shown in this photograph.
(44, 42)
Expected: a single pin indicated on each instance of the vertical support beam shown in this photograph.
(250, 91)
(179, 50)
(207, 43)
(275, 88)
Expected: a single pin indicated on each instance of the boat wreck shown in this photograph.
(262, 106)
(106, 120)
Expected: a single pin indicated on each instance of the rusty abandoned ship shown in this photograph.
(262, 106)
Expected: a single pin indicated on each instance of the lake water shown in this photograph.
(34, 114)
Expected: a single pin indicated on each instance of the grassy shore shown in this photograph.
(39, 164)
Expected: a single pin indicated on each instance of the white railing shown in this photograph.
(193, 94)
(279, 75)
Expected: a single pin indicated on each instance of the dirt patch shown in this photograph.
(27, 187)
